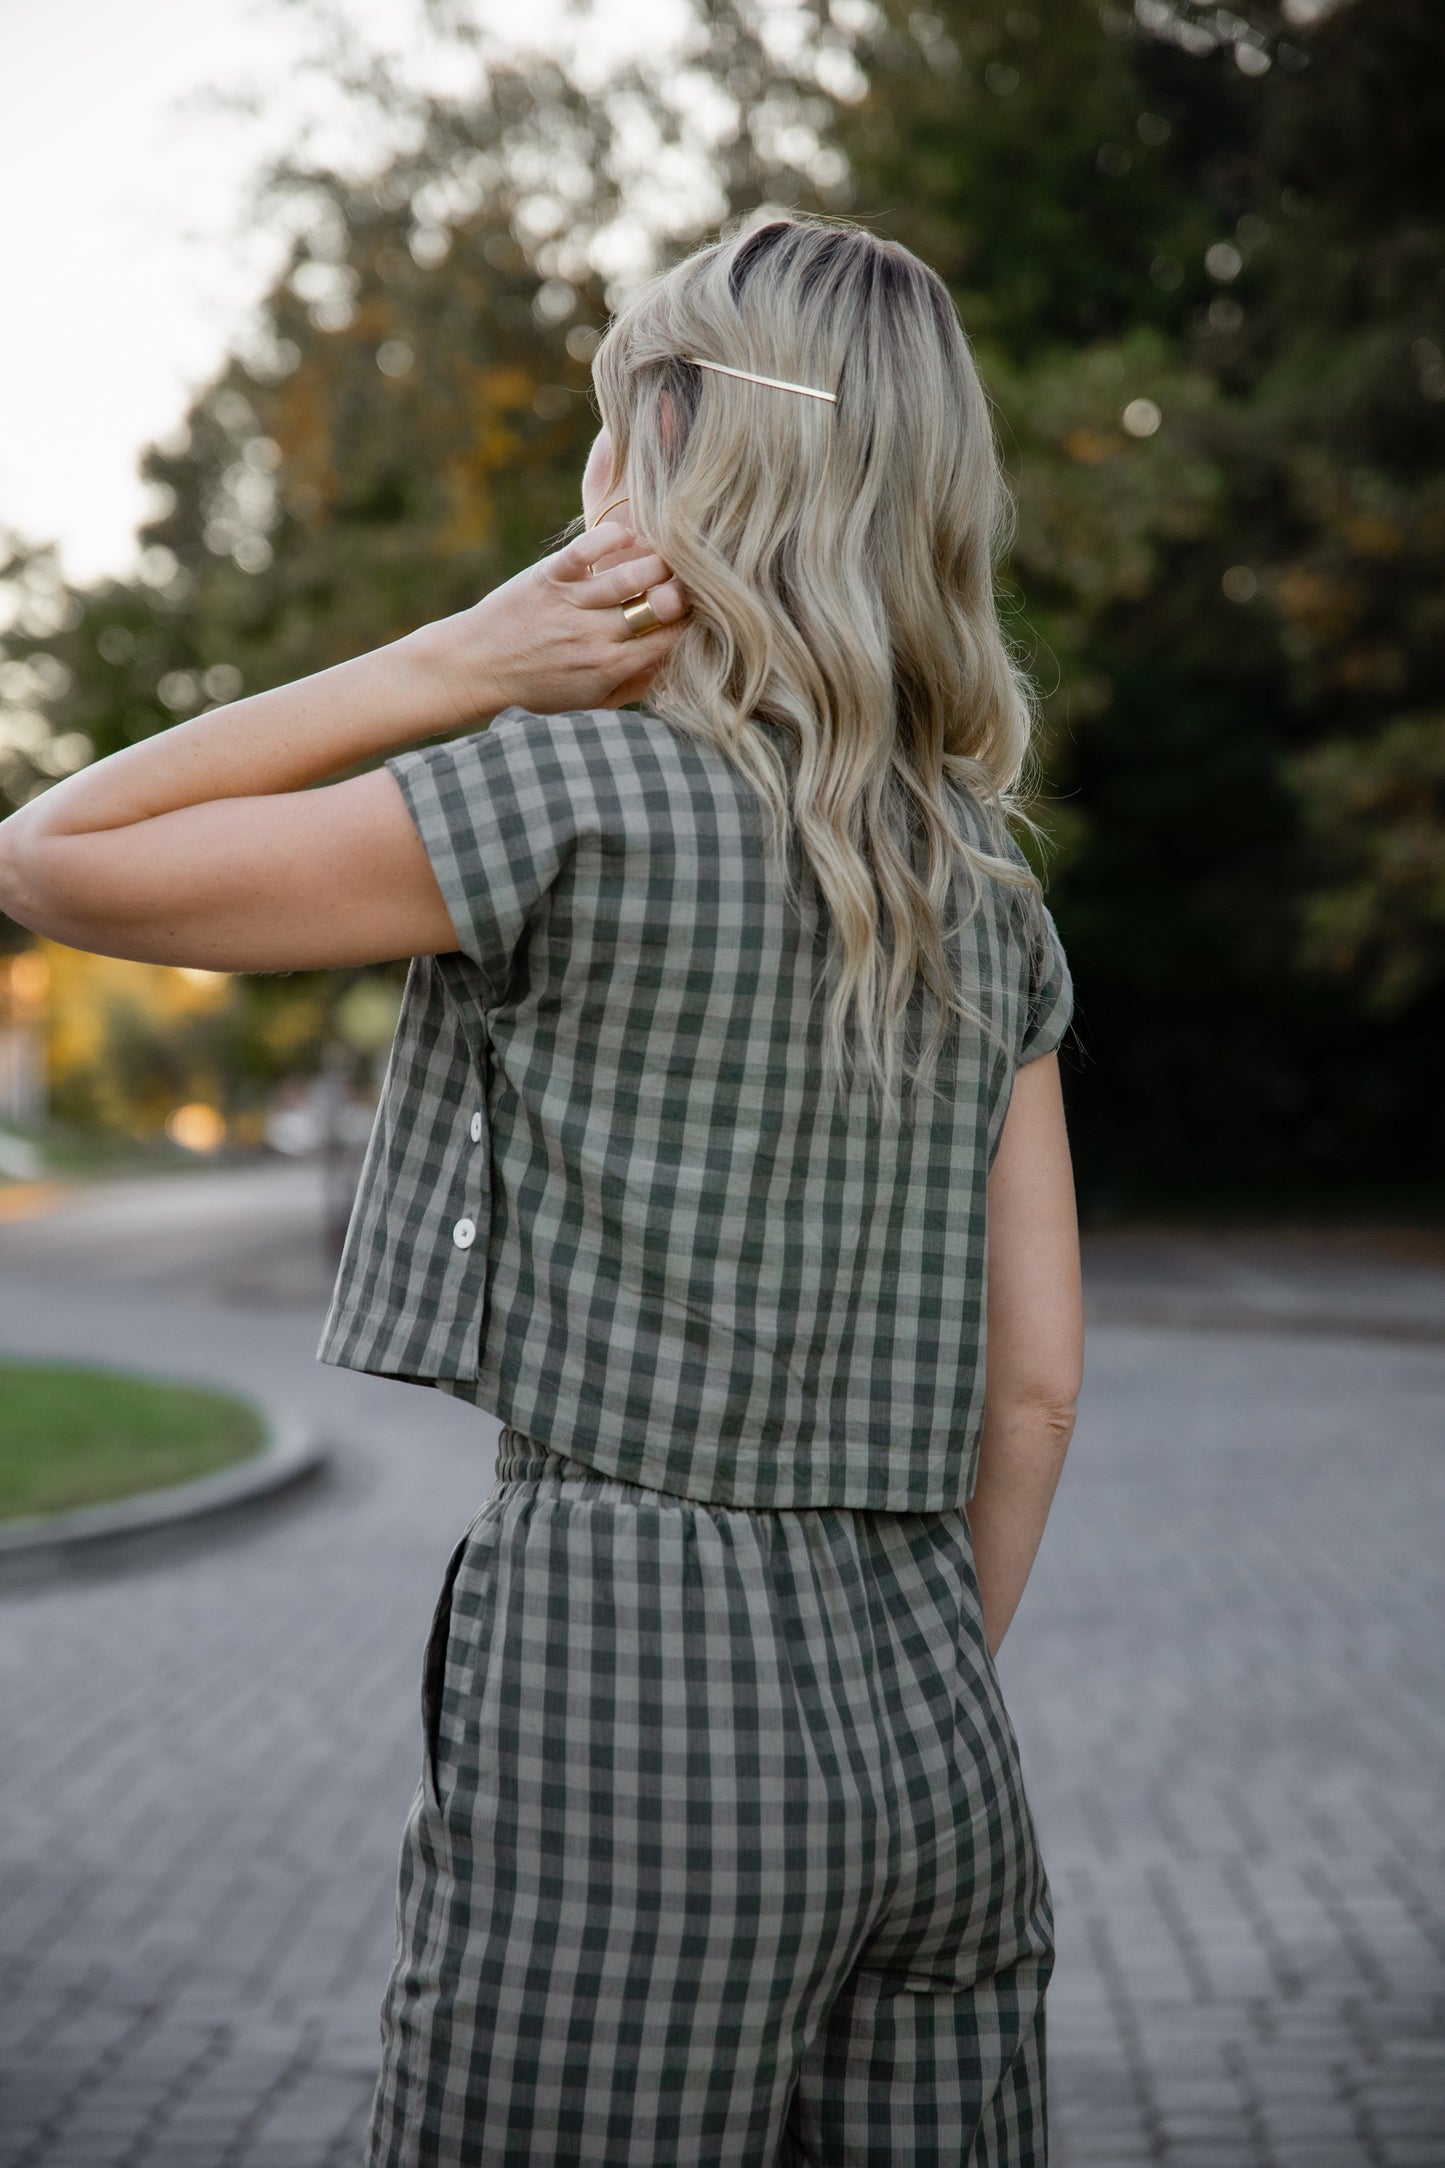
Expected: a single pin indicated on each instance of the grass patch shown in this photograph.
(71, 1436)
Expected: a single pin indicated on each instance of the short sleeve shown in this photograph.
(1050, 1006)
(496, 814)
(1051, 996)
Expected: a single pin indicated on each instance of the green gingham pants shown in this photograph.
(720, 1856)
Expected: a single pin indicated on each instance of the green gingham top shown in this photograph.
(612, 1193)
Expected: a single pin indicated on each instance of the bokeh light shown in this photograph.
(196, 1126)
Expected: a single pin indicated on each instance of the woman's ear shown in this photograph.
(597, 486)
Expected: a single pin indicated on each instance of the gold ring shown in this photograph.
(641, 616)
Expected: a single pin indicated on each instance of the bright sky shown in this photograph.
(126, 268)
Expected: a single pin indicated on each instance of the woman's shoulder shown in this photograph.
(622, 773)
(629, 754)
(604, 737)
(584, 724)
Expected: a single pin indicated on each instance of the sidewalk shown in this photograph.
(1226, 1679)
(1383, 1281)
(161, 1231)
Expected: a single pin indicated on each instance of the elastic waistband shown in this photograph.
(522, 1460)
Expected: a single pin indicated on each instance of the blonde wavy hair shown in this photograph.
(840, 561)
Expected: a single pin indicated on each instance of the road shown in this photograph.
(1226, 1680)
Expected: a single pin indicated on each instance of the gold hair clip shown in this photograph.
(777, 383)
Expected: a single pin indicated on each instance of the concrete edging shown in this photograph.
(293, 1453)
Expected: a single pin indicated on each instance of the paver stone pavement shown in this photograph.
(1225, 1677)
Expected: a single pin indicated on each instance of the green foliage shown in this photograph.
(1240, 617)
(406, 429)
(1199, 253)
(1013, 149)
(1377, 805)
(401, 465)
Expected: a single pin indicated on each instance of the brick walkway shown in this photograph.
(1226, 1679)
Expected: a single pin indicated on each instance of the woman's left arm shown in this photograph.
(206, 844)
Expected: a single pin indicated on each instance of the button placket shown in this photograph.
(464, 1231)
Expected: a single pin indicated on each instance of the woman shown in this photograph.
(724, 1080)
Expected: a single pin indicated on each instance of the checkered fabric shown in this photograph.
(721, 1856)
(612, 1193)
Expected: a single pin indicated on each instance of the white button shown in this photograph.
(476, 1129)
(464, 1234)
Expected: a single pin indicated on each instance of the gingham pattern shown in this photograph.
(721, 1857)
(612, 1195)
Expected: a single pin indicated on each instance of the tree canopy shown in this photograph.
(1199, 254)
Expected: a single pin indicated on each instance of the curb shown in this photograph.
(1168, 1313)
(293, 1454)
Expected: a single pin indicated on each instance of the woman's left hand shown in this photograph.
(555, 638)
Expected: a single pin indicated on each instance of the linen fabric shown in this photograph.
(613, 1194)
(721, 1856)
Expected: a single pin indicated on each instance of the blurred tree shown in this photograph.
(403, 429)
(1199, 253)
(406, 428)
(1343, 358)
(130, 1041)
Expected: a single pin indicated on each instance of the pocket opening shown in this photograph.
(434, 1669)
